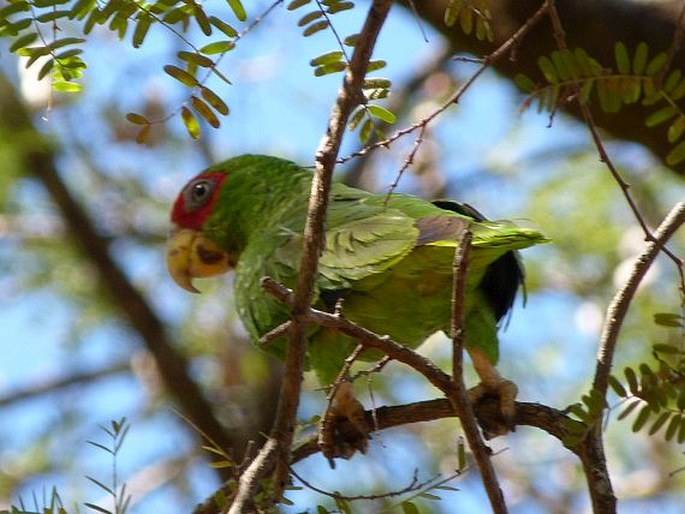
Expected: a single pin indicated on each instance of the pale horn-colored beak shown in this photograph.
(190, 254)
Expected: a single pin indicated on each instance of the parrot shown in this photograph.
(387, 257)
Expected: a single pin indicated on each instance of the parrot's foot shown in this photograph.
(343, 429)
(505, 391)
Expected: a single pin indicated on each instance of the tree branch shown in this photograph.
(618, 308)
(460, 398)
(277, 449)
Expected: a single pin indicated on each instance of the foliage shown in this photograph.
(637, 79)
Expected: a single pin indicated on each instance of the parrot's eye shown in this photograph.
(198, 193)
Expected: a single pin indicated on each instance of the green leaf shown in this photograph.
(23, 41)
(668, 319)
(586, 90)
(677, 155)
(340, 7)
(366, 131)
(223, 26)
(640, 58)
(642, 418)
(218, 47)
(142, 26)
(214, 100)
(672, 80)
(66, 86)
(622, 58)
(204, 110)
(666, 349)
(315, 27)
(661, 116)
(377, 83)
(660, 421)
(672, 427)
(356, 118)
(525, 83)
(656, 64)
(81, 9)
(296, 4)
(53, 15)
(59, 43)
(617, 386)
(466, 21)
(202, 19)
(45, 69)
(238, 9)
(681, 431)
(327, 69)
(630, 408)
(376, 65)
(194, 58)
(137, 119)
(351, 40)
(452, 12)
(13, 8)
(190, 122)
(548, 70)
(409, 507)
(309, 17)
(382, 114)
(182, 76)
(327, 58)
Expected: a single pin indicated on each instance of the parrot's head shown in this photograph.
(190, 252)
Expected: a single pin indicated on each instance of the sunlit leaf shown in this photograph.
(214, 100)
(382, 113)
(296, 4)
(327, 58)
(640, 58)
(218, 47)
(315, 27)
(194, 58)
(204, 110)
(223, 26)
(309, 17)
(622, 58)
(238, 9)
(182, 76)
(190, 122)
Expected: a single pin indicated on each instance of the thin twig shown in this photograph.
(460, 398)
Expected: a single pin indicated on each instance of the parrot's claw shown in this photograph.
(505, 391)
(343, 430)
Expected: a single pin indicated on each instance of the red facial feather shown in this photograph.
(190, 213)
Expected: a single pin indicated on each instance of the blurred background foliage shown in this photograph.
(71, 358)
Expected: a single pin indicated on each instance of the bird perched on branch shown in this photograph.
(390, 258)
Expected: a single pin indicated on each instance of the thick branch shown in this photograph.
(618, 308)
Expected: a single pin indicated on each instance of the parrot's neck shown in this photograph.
(255, 198)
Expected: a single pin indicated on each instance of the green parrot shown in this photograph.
(388, 257)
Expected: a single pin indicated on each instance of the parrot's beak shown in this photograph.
(190, 254)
